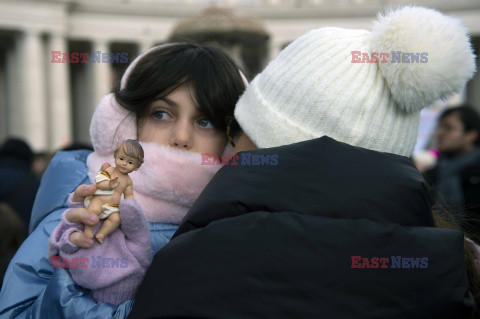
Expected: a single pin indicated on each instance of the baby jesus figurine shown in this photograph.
(111, 184)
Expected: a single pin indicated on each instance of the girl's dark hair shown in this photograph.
(213, 76)
(444, 219)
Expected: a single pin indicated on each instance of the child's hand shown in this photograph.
(82, 215)
(83, 191)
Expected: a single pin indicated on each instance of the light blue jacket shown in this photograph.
(31, 287)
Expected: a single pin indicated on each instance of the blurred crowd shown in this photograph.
(20, 173)
(452, 167)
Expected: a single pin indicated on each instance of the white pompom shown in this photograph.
(451, 62)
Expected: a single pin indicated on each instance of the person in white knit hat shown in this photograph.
(313, 88)
(340, 224)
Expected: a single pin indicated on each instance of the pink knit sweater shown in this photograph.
(112, 270)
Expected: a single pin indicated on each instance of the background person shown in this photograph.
(456, 177)
(11, 236)
(18, 182)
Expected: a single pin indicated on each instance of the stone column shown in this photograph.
(3, 98)
(101, 72)
(59, 101)
(33, 108)
(14, 113)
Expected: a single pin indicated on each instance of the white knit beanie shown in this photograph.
(313, 89)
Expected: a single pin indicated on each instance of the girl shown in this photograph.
(174, 99)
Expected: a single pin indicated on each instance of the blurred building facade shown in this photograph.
(51, 104)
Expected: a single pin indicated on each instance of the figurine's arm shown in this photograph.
(107, 184)
(128, 193)
(104, 185)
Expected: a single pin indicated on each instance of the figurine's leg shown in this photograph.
(94, 207)
(108, 226)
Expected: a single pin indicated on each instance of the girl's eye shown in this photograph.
(161, 115)
(204, 123)
(130, 163)
(121, 158)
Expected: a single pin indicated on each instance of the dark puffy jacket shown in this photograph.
(296, 240)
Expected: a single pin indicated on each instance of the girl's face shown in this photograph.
(176, 121)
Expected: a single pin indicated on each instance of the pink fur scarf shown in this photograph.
(168, 182)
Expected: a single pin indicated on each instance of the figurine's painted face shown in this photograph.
(176, 121)
(126, 164)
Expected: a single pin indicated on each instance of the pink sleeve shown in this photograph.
(73, 204)
(58, 241)
(137, 232)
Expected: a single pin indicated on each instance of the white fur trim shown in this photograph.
(111, 125)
